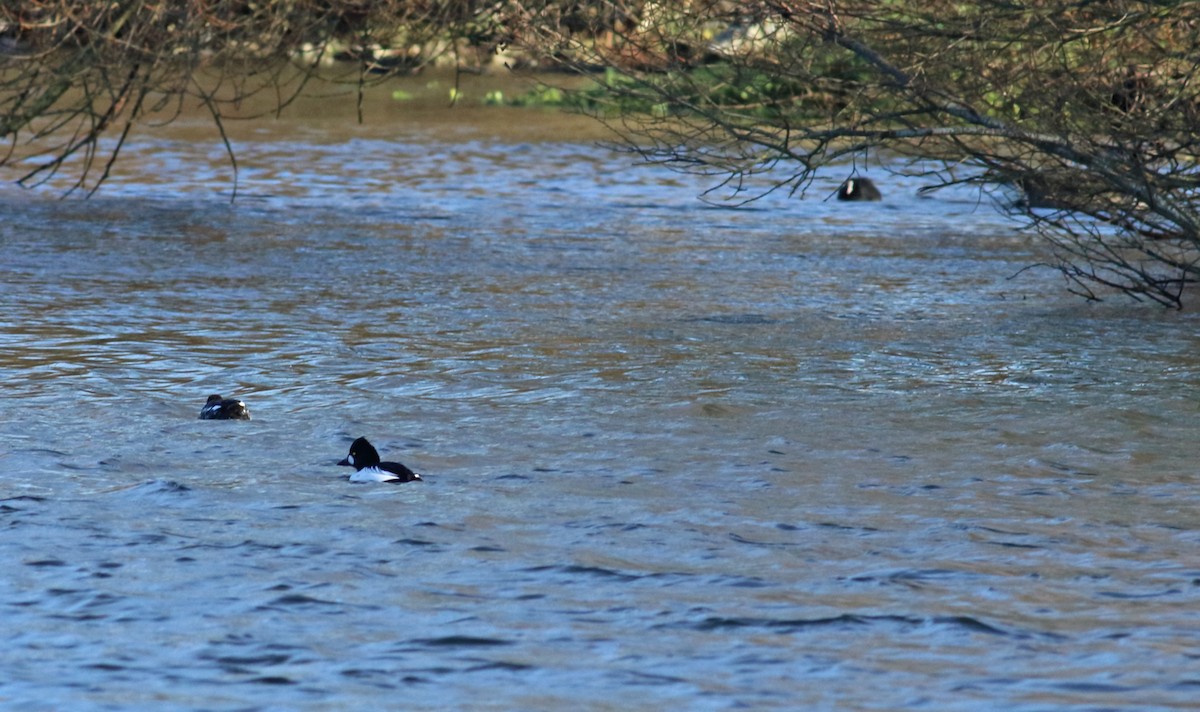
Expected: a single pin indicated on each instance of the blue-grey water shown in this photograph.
(807, 455)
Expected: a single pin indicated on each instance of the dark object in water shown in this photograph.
(859, 189)
(364, 458)
(1037, 193)
(218, 408)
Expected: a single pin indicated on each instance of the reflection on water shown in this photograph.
(797, 456)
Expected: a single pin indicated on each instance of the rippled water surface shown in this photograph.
(801, 456)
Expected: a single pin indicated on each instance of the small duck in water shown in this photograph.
(859, 189)
(367, 468)
(218, 408)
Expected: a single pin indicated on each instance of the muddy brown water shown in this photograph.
(803, 456)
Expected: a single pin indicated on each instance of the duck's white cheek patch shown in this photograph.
(350, 458)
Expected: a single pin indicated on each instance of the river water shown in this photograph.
(806, 455)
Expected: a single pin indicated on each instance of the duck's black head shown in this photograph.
(859, 189)
(362, 454)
